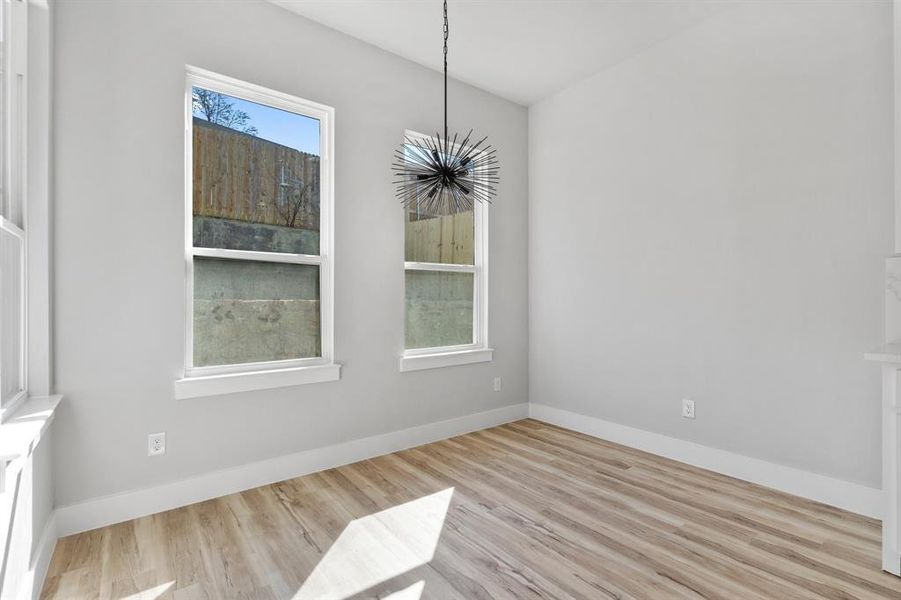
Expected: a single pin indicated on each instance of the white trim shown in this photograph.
(482, 237)
(37, 223)
(849, 496)
(14, 173)
(888, 356)
(230, 383)
(108, 510)
(12, 406)
(254, 367)
(21, 432)
(436, 360)
(896, 51)
(261, 95)
(12, 228)
(886, 353)
(18, 234)
(19, 437)
(445, 267)
(40, 561)
(256, 376)
(275, 257)
(443, 350)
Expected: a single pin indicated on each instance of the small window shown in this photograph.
(446, 284)
(259, 229)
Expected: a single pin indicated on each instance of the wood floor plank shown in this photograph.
(629, 537)
(524, 510)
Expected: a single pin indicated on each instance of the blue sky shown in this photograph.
(282, 127)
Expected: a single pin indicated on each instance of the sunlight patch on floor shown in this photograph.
(151, 593)
(378, 547)
(414, 592)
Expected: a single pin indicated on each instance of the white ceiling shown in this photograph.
(523, 50)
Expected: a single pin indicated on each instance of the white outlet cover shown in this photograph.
(688, 409)
(497, 384)
(156, 444)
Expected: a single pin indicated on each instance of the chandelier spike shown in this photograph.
(440, 175)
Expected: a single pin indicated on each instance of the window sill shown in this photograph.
(21, 432)
(418, 362)
(231, 383)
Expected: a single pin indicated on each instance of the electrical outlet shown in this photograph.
(688, 408)
(156, 444)
(497, 384)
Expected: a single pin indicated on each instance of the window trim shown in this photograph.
(224, 379)
(14, 172)
(16, 401)
(415, 359)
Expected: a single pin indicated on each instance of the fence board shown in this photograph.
(446, 239)
(246, 178)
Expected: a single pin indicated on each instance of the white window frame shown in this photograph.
(13, 197)
(416, 359)
(12, 404)
(224, 379)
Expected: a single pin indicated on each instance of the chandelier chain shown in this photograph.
(443, 177)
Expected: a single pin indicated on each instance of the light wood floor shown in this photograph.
(525, 510)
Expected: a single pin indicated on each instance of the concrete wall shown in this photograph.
(708, 220)
(210, 232)
(253, 312)
(120, 287)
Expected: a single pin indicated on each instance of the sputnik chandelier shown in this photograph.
(440, 175)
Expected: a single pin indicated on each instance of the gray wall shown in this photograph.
(119, 287)
(708, 219)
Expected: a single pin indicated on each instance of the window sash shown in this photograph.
(325, 115)
(249, 367)
(243, 255)
(256, 256)
(13, 153)
(479, 269)
(446, 267)
(477, 326)
(7, 405)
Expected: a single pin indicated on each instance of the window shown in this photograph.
(446, 286)
(258, 238)
(13, 48)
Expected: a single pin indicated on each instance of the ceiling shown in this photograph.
(522, 50)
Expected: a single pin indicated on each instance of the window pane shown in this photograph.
(247, 311)
(446, 239)
(256, 176)
(4, 210)
(10, 316)
(439, 309)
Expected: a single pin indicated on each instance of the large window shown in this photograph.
(13, 49)
(259, 265)
(446, 286)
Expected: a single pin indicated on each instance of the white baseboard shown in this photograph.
(850, 496)
(891, 561)
(108, 510)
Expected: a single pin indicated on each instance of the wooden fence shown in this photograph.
(445, 239)
(246, 178)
